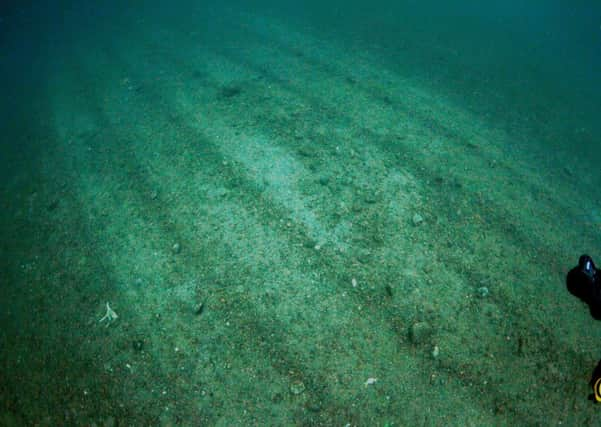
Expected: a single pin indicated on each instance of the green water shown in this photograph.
(299, 215)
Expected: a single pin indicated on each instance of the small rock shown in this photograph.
(417, 219)
(309, 243)
(388, 290)
(370, 381)
(304, 152)
(297, 387)
(483, 291)
(370, 199)
(364, 256)
(176, 248)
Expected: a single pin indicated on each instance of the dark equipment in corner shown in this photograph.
(584, 282)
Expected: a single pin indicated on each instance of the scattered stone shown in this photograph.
(370, 381)
(417, 219)
(310, 243)
(388, 290)
(364, 256)
(370, 198)
(297, 387)
(304, 152)
(199, 308)
(483, 292)
(176, 248)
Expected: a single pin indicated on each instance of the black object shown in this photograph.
(584, 282)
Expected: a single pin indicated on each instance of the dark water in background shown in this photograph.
(532, 65)
(542, 58)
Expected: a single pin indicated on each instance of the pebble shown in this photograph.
(483, 291)
(370, 381)
(297, 387)
(417, 219)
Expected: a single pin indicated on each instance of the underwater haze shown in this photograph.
(298, 213)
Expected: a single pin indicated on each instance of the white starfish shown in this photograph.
(109, 316)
